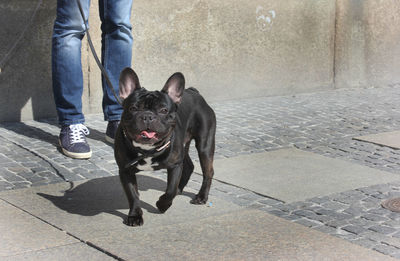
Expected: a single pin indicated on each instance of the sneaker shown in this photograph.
(112, 127)
(73, 141)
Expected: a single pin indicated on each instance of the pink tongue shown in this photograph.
(149, 135)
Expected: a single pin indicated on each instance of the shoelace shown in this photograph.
(79, 131)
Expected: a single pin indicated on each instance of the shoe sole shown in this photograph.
(74, 155)
(109, 140)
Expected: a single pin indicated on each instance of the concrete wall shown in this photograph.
(367, 43)
(233, 49)
(25, 80)
(226, 49)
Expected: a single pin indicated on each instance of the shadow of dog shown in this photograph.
(104, 195)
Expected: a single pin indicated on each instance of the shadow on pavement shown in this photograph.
(31, 132)
(23, 129)
(105, 195)
(99, 136)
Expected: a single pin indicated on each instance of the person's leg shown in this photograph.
(68, 32)
(116, 49)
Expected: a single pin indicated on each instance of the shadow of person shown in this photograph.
(93, 133)
(21, 128)
(29, 131)
(104, 195)
(99, 136)
(48, 136)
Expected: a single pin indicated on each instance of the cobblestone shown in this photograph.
(365, 243)
(326, 229)
(386, 249)
(323, 123)
(383, 229)
(307, 222)
(354, 229)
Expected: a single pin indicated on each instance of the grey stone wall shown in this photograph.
(227, 49)
(367, 43)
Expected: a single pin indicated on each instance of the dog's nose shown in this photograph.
(147, 117)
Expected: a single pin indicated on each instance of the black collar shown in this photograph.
(142, 154)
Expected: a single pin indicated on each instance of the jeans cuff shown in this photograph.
(112, 118)
(71, 122)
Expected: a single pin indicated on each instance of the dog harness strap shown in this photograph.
(166, 145)
(135, 161)
(144, 154)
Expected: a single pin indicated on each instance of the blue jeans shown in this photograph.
(116, 54)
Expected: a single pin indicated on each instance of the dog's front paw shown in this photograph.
(134, 221)
(163, 204)
(199, 200)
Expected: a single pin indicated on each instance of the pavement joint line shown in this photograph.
(375, 143)
(88, 243)
(43, 249)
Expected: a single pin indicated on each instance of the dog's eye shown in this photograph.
(164, 111)
(133, 108)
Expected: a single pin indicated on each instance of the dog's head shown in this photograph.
(149, 117)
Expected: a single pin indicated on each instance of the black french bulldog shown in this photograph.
(155, 133)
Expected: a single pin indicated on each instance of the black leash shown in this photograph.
(103, 70)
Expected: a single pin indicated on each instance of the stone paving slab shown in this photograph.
(92, 213)
(21, 232)
(388, 139)
(292, 175)
(240, 235)
(96, 207)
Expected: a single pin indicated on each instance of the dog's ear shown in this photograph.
(128, 82)
(174, 87)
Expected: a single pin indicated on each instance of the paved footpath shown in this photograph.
(323, 123)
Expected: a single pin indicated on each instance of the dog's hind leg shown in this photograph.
(187, 171)
(205, 147)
